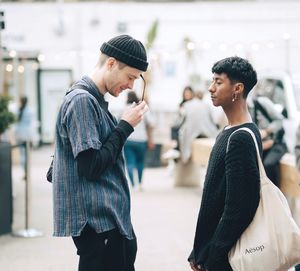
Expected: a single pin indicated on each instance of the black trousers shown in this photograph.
(271, 159)
(108, 251)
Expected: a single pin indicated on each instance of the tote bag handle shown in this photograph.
(262, 171)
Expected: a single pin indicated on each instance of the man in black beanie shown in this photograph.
(90, 189)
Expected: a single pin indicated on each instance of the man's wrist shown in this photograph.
(125, 128)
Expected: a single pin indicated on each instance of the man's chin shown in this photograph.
(114, 94)
(117, 93)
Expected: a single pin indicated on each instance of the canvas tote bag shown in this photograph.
(272, 240)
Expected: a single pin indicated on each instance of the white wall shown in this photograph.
(250, 29)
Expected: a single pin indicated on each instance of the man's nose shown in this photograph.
(211, 88)
(130, 85)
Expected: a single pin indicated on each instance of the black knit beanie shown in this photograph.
(127, 50)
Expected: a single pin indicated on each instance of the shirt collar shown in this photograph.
(94, 89)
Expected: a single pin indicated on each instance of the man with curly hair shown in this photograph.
(232, 184)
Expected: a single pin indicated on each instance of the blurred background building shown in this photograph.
(48, 44)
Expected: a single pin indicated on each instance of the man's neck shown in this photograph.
(97, 77)
(238, 113)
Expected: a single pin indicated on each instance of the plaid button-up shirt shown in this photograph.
(104, 203)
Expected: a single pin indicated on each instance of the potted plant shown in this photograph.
(6, 118)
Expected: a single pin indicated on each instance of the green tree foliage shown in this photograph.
(152, 33)
(6, 117)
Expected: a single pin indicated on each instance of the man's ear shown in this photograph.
(239, 88)
(110, 62)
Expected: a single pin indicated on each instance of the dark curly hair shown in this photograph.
(239, 70)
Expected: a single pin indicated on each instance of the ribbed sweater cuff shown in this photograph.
(124, 128)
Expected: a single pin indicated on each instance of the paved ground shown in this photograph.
(164, 218)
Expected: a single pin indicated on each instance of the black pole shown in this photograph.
(27, 232)
(26, 147)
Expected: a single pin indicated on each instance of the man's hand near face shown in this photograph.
(134, 114)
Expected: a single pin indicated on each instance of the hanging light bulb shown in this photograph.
(21, 68)
(12, 53)
(190, 46)
(41, 57)
(9, 68)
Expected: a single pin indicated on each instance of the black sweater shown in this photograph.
(230, 197)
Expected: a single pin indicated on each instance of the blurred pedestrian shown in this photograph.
(297, 148)
(198, 123)
(23, 128)
(137, 143)
(232, 184)
(270, 123)
(297, 155)
(91, 194)
(187, 94)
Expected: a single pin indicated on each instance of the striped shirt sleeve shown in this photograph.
(82, 122)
